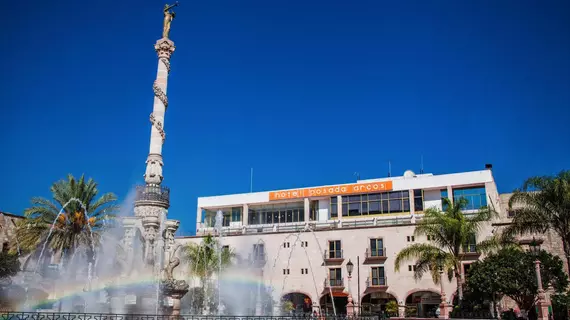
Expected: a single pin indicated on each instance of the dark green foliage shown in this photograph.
(511, 272)
(9, 264)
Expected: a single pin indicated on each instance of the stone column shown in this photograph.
(169, 246)
(339, 206)
(412, 202)
(307, 209)
(153, 175)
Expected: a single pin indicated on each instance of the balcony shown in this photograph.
(376, 284)
(469, 252)
(333, 257)
(334, 284)
(152, 194)
(375, 256)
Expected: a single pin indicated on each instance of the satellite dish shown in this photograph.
(409, 174)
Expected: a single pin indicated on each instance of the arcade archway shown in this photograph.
(375, 303)
(340, 300)
(300, 303)
(422, 304)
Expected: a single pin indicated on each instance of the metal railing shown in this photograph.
(376, 282)
(110, 316)
(333, 254)
(376, 253)
(154, 193)
(330, 282)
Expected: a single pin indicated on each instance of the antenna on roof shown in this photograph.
(251, 181)
(422, 164)
(389, 168)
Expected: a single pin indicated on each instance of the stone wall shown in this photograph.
(8, 230)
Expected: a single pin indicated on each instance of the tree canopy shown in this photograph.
(450, 233)
(543, 203)
(9, 264)
(79, 222)
(511, 272)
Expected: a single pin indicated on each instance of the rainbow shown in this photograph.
(102, 284)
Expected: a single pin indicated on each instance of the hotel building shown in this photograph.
(302, 239)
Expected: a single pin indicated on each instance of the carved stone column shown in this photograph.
(169, 230)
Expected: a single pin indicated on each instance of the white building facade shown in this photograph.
(305, 237)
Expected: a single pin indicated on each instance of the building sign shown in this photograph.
(331, 190)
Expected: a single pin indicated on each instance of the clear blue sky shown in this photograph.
(306, 92)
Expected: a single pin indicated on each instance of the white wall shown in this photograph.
(432, 199)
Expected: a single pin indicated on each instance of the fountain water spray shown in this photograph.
(218, 226)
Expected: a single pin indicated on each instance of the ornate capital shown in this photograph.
(164, 48)
(148, 211)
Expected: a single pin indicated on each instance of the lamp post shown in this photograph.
(542, 303)
(443, 314)
(349, 305)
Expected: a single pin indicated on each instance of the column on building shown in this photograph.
(339, 206)
(412, 202)
(245, 215)
(450, 193)
(307, 209)
(199, 219)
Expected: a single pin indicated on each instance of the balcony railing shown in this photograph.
(333, 255)
(374, 255)
(372, 282)
(153, 193)
(472, 248)
(334, 283)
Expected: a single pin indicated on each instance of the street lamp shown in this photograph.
(542, 304)
(350, 305)
(349, 268)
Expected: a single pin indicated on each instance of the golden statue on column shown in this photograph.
(168, 17)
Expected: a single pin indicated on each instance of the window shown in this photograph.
(376, 247)
(335, 249)
(418, 200)
(285, 244)
(376, 203)
(230, 214)
(334, 207)
(443, 196)
(277, 213)
(285, 271)
(476, 197)
(314, 211)
(412, 267)
(470, 245)
(335, 277)
(377, 276)
(466, 268)
(411, 238)
(259, 252)
(304, 271)
(304, 244)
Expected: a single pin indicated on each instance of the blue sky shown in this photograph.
(305, 92)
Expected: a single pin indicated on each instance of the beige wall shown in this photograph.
(8, 230)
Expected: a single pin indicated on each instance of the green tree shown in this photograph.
(450, 232)
(204, 263)
(543, 203)
(9, 265)
(73, 227)
(511, 272)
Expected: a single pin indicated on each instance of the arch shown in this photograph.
(422, 303)
(375, 303)
(301, 301)
(339, 299)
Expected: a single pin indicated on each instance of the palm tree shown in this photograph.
(205, 261)
(450, 232)
(543, 203)
(80, 223)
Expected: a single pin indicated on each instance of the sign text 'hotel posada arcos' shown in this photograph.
(331, 190)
